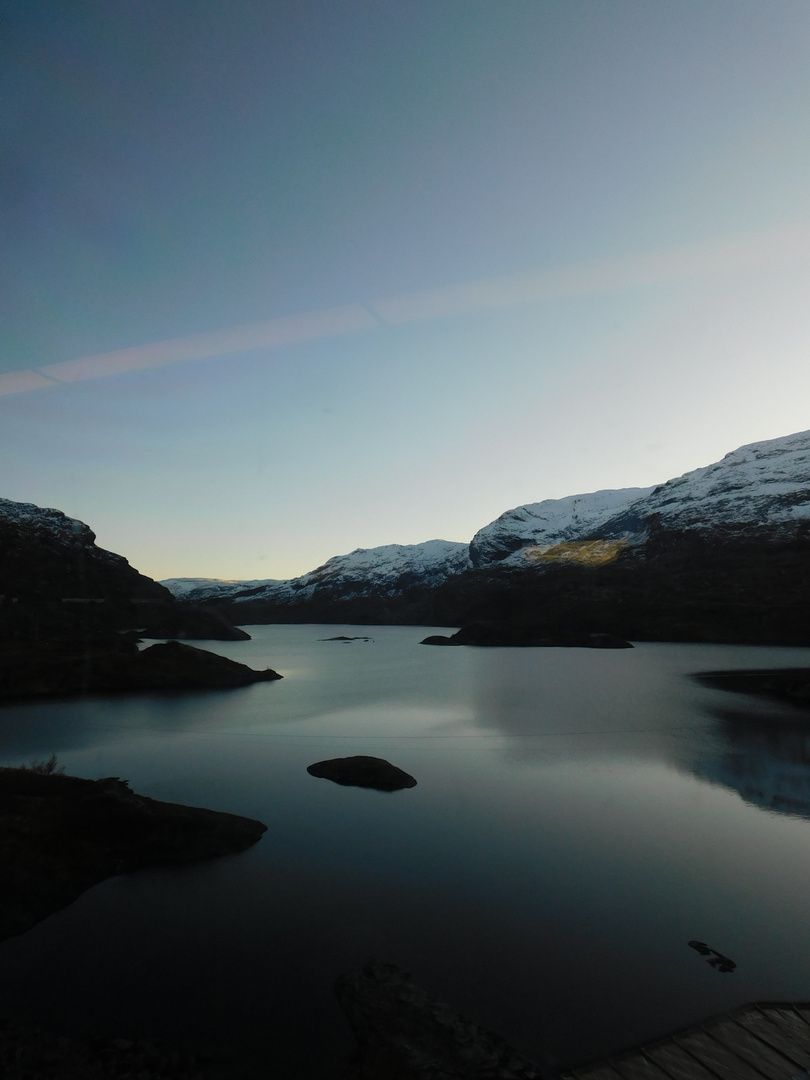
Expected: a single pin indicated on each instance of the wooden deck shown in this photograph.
(769, 1040)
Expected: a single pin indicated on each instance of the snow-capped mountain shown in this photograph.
(762, 487)
(390, 570)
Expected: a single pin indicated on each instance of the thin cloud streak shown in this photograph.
(660, 267)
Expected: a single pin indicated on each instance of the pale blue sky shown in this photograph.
(639, 173)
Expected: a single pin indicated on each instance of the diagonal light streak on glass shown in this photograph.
(658, 267)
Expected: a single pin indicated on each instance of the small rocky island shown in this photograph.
(63, 834)
(363, 771)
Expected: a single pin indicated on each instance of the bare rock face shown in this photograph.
(405, 1034)
(363, 771)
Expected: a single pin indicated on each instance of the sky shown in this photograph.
(284, 278)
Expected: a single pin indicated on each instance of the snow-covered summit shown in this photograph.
(390, 569)
(764, 483)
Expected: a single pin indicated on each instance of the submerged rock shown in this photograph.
(363, 771)
(404, 1033)
(62, 834)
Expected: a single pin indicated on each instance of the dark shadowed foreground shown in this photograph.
(61, 834)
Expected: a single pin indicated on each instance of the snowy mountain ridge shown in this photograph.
(389, 569)
(760, 485)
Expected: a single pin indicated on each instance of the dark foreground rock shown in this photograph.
(524, 635)
(785, 684)
(362, 771)
(61, 834)
(405, 1034)
(30, 1052)
(114, 664)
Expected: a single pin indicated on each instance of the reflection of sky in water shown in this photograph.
(560, 849)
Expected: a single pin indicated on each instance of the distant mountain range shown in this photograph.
(720, 553)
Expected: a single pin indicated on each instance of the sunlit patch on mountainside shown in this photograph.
(584, 552)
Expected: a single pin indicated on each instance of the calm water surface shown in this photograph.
(579, 816)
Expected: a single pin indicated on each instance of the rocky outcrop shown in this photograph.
(46, 555)
(115, 665)
(363, 771)
(405, 1034)
(62, 834)
(524, 636)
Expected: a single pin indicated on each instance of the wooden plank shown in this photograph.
(803, 1009)
(792, 1028)
(716, 1057)
(635, 1066)
(775, 1035)
(592, 1072)
(772, 1064)
(677, 1063)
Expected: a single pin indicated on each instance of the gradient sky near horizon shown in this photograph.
(283, 278)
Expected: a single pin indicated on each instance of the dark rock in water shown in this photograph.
(181, 620)
(523, 635)
(114, 664)
(62, 834)
(175, 665)
(785, 684)
(344, 637)
(405, 1034)
(362, 771)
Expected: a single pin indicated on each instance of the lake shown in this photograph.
(580, 815)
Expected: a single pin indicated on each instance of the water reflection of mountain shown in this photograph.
(765, 757)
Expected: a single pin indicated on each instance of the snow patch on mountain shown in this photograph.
(539, 526)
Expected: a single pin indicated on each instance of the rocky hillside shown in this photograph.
(46, 555)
